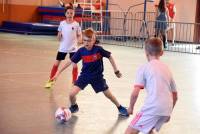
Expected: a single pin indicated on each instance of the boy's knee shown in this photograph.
(107, 93)
(75, 66)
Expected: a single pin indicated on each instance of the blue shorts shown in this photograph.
(98, 84)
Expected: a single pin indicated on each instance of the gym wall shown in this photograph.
(23, 10)
(186, 9)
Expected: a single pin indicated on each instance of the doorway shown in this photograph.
(197, 25)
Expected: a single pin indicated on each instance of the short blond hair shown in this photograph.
(153, 46)
(89, 33)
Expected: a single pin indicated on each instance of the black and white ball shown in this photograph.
(63, 115)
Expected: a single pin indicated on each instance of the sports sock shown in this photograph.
(53, 71)
(74, 74)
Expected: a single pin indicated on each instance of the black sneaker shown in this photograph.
(123, 111)
(74, 108)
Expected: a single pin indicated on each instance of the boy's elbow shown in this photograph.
(175, 96)
(110, 56)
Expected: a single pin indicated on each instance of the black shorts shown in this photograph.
(98, 84)
(62, 55)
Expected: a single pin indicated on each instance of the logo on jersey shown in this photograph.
(95, 57)
(91, 58)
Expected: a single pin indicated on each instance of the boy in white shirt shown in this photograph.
(69, 34)
(156, 78)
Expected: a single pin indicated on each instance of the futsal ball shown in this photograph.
(63, 115)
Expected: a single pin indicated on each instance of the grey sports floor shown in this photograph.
(27, 108)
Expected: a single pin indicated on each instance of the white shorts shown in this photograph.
(145, 123)
(171, 25)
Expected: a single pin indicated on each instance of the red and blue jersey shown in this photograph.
(92, 61)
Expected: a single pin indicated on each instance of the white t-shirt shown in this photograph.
(69, 39)
(157, 80)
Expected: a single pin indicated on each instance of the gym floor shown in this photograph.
(26, 107)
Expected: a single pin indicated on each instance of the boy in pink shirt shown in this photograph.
(156, 78)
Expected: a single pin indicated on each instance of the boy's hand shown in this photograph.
(59, 36)
(118, 74)
(130, 111)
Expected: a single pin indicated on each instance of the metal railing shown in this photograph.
(128, 29)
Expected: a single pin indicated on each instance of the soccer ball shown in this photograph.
(63, 115)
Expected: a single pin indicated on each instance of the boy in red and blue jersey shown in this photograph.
(92, 71)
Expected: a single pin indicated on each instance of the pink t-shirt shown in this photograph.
(157, 80)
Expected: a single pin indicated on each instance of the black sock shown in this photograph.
(74, 105)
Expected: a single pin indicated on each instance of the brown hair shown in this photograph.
(69, 7)
(153, 46)
(89, 32)
(162, 6)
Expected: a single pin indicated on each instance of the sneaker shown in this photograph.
(49, 83)
(74, 108)
(198, 47)
(166, 45)
(123, 111)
